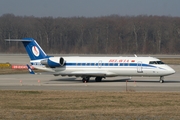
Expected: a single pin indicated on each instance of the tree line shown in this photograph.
(112, 34)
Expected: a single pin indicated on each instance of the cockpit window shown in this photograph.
(152, 62)
(156, 62)
(160, 62)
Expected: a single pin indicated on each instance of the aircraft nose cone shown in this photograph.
(170, 70)
(173, 71)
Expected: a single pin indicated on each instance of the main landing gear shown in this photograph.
(98, 79)
(161, 79)
(86, 79)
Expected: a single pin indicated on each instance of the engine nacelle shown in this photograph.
(53, 62)
(61, 61)
(44, 62)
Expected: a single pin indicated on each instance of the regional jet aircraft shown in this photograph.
(98, 67)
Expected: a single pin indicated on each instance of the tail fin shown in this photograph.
(33, 49)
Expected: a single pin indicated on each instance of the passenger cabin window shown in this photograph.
(156, 62)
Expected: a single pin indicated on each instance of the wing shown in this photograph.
(78, 73)
(86, 73)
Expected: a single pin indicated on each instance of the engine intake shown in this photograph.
(61, 61)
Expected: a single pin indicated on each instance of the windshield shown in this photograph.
(156, 62)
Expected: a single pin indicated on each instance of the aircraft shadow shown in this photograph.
(106, 80)
(139, 81)
(65, 79)
(117, 80)
(172, 81)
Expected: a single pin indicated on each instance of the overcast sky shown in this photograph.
(89, 8)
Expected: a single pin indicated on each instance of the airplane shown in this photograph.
(98, 67)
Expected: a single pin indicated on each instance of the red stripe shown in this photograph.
(20, 67)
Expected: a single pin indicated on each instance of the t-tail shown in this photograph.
(33, 49)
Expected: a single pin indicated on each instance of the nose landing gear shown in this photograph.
(161, 79)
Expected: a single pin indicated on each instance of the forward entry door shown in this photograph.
(139, 67)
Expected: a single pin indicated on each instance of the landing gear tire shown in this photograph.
(98, 79)
(161, 79)
(84, 80)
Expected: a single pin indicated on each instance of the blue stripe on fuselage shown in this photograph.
(101, 64)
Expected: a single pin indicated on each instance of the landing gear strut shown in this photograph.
(85, 79)
(161, 79)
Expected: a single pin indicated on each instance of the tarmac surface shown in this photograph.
(50, 82)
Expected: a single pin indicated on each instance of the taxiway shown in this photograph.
(50, 82)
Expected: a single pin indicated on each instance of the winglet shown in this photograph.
(30, 70)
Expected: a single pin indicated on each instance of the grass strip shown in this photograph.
(75, 105)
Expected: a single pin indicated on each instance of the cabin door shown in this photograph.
(139, 67)
(99, 63)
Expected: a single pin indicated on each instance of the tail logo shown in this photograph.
(35, 51)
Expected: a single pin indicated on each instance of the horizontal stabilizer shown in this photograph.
(17, 40)
(33, 49)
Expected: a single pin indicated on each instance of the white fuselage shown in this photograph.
(107, 66)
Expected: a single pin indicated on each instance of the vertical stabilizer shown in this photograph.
(33, 49)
